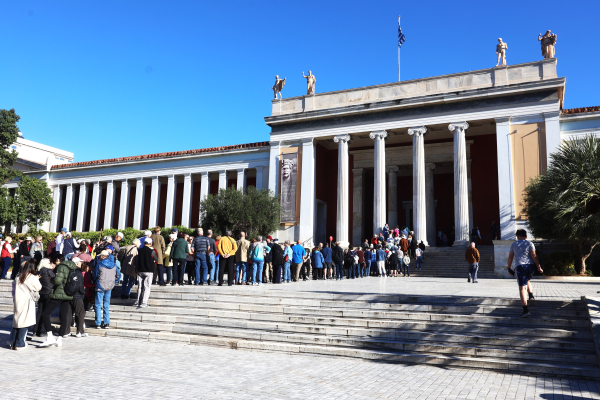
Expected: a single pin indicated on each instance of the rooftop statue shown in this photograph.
(548, 42)
(310, 82)
(501, 52)
(278, 87)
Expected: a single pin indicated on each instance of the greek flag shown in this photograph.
(401, 37)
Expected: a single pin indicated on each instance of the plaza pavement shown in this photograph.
(117, 368)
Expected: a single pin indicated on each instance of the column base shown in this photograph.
(463, 243)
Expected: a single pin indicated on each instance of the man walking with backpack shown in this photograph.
(106, 275)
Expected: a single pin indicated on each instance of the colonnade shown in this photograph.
(423, 199)
(96, 190)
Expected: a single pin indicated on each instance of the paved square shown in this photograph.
(96, 367)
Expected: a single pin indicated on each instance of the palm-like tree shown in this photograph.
(564, 204)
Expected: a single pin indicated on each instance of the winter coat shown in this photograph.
(158, 242)
(106, 275)
(24, 306)
(404, 244)
(258, 251)
(88, 283)
(167, 260)
(46, 275)
(68, 246)
(129, 264)
(241, 254)
(179, 248)
(277, 255)
(317, 259)
(472, 255)
(337, 254)
(62, 273)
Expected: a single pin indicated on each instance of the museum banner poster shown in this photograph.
(289, 184)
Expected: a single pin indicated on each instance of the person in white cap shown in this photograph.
(147, 234)
(146, 260)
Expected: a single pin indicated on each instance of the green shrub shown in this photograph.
(559, 263)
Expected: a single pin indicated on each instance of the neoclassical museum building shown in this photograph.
(451, 151)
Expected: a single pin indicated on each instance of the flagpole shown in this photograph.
(398, 52)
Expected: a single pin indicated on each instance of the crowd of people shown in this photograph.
(75, 276)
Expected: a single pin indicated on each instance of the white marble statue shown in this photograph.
(310, 82)
(501, 52)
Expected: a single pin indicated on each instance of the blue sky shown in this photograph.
(117, 78)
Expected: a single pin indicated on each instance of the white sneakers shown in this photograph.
(50, 341)
(59, 342)
(80, 335)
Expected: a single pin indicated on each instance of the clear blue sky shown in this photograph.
(108, 79)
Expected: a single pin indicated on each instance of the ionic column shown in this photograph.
(204, 189)
(259, 177)
(379, 214)
(124, 204)
(342, 190)
(68, 207)
(170, 208)
(81, 208)
(240, 178)
(109, 206)
(138, 211)
(429, 195)
(461, 193)
(470, 189)
(358, 229)
(222, 179)
(94, 213)
(506, 198)
(419, 199)
(307, 194)
(54, 226)
(187, 200)
(392, 195)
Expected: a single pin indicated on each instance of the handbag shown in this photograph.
(406, 259)
(35, 296)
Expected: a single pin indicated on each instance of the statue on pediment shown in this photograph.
(278, 87)
(548, 42)
(501, 52)
(310, 82)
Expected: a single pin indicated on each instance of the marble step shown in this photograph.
(410, 332)
(528, 367)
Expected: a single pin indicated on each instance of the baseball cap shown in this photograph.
(175, 230)
(104, 253)
(269, 237)
(64, 230)
(148, 240)
(109, 247)
(76, 260)
(121, 234)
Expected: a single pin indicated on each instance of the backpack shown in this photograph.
(349, 259)
(74, 281)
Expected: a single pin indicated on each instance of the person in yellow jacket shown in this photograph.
(227, 249)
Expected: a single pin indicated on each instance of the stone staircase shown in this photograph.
(449, 262)
(477, 333)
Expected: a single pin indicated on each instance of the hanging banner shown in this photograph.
(289, 184)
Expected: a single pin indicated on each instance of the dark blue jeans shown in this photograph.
(17, 337)
(201, 267)
(128, 282)
(339, 270)
(5, 266)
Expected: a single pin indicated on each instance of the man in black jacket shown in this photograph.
(145, 264)
(337, 256)
(77, 302)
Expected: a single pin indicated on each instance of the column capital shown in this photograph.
(170, 176)
(139, 179)
(378, 135)
(222, 171)
(417, 131)
(392, 169)
(430, 166)
(257, 168)
(463, 126)
(109, 181)
(342, 138)
(187, 175)
(204, 174)
(123, 181)
(274, 143)
(307, 141)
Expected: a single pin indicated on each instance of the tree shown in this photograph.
(9, 132)
(561, 204)
(32, 202)
(255, 212)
